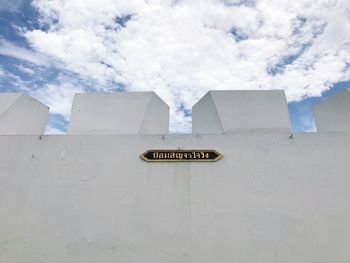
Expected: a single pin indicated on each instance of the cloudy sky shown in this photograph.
(180, 49)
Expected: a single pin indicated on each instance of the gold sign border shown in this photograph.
(219, 156)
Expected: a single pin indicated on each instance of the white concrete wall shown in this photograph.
(21, 114)
(92, 199)
(119, 113)
(230, 111)
(333, 114)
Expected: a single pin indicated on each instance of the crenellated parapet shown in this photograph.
(218, 112)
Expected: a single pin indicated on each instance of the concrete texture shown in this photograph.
(21, 114)
(81, 199)
(91, 198)
(333, 114)
(119, 113)
(231, 111)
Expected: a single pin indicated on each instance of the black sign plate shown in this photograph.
(181, 156)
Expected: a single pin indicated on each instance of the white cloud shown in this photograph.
(59, 97)
(307, 122)
(11, 50)
(26, 70)
(181, 49)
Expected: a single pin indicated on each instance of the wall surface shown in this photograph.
(21, 114)
(90, 198)
(119, 113)
(232, 111)
(333, 114)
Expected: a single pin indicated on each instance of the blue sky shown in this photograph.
(179, 49)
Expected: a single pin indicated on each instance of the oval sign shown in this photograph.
(181, 156)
